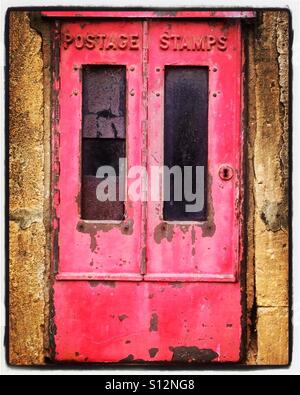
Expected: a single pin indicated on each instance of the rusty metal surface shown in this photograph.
(193, 267)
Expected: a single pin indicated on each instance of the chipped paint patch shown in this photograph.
(130, 358)
(193, 235)
(92, 231)
(153, 352)
(154, 323)
(164, 231)
(177, 285)
(127, 227)
(95, 283)
(192, 354)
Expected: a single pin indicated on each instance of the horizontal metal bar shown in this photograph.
(157, 277)
(98, 277)
(149, 14)
(187, 277)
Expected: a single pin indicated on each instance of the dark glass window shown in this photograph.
(103, 137)
(186, 142)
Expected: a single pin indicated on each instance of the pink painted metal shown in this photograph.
(207, 251)
(91, 246)
(152, 322)
(149, 14)
(148, 291)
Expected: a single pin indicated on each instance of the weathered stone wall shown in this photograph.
(266, 188)
(267, 230)
(27, 187)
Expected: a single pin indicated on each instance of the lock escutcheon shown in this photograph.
(226, 172)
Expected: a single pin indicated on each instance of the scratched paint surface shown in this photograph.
(120, 321)
(184, 304)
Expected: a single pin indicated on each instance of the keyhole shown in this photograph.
(226, 172)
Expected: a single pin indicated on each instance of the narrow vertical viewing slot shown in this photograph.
(185, 143)
(103, 141)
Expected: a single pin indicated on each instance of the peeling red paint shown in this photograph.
(192, 354)
(153, 352)
(154, 323)
(164, 231)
